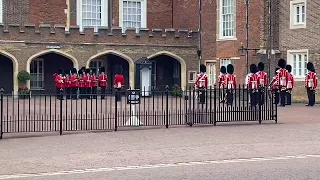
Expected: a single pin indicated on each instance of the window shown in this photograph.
(298, 60)
(298, 14)
(176, 69)
(92, 13)
(97, 64)
(36, 72)
(211, 72)
(227, 19)
(192, 75)
(225, 62)
(132, 14)
(1, 9)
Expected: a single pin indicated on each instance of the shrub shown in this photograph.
(23, 76)
(177, 91)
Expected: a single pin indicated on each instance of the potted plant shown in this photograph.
(177, 91)
(23, 78)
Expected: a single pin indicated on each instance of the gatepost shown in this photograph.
(133, 98)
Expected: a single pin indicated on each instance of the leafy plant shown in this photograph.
(177, 91)
(23, 76)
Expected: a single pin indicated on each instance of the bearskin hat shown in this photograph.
(74, 71)
(289, 68)
(310, 66)
(260, 66)
(282, 63)
(276, 71)
(87, 71)
(94, 70)
(60, 71)
(230, 69)
(67, 72)
(203, 68)
(223, 70)
(102, 69)
(80, 72)
(253, 68)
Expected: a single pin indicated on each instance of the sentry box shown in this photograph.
(133, 96)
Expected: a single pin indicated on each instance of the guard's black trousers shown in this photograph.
(288, 98)
(68, 92)
(74, 91)
(94, 92)
(202, 96)
(254, 98)
(88, 92)
(58, 93)
(311, 97)
(262, 96)
(103, 91)
(118, 94)
(276, 96)
(82, 92)
(283, 98)
(229, 97)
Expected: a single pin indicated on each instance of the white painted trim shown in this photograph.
(235, 58)
(292, 14)
(211, 60)
(290, 53)
(182, 63)
(1, 11)
(38, 59)
(104, 14)
(15, 70)
(220, 36)
(144, 11)
(116, 53)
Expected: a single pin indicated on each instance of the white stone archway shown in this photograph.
(55, 51)
(180, 60)
(15, 70)
(119, 54)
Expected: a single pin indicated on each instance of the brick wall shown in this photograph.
(44, 11)
(15, 11)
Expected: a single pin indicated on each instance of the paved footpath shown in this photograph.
(287, 150)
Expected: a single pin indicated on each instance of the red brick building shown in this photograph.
(35, 36)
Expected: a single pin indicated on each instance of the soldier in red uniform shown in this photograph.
(290, 85)
(82, 90)
(87, 83)
(282, 79)
(74, 83)
(202, 84)
(67, 85)
(311, 83)
(59, 83)
(103, 82)
(263, 82)
(118, 82)
(231, 84)
(274, 86)
(222, 83)
(94, 83)
(253, 85)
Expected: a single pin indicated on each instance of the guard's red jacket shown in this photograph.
(118, 81)
(94, 81)
(67, 82)
(263, 78)
(311, 80)
(274, 83)
(81, 82)
(103, 80)
(282, 78)
(231, 82)
(74, 81)
(222, 81)
(202, 81)
(59, 81)
(254, 81)
(87, 81)
(290, 84)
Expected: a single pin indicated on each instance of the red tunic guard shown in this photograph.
(118, 81)
(59, 81)
(254, 81)
(103, 80)
(87, 81)
(311, 80)
(202, 81)
(94, 81)
(231, 82)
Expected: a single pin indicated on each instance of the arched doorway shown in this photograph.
(43, 65)
(167, 69)
(6, 74)
(111, 59)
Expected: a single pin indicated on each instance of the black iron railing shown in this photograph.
(52, 112)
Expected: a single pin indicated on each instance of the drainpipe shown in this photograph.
(110, 15)
(67, 12)
(200, 34)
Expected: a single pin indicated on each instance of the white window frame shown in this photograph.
(143, 14)
(1, 11)
(293, 14)
(37, 60)
(104, 15)
(194, 76)
(213, 75)
(176, 69)
(220, 22)
(291, 54)
(224, 62)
